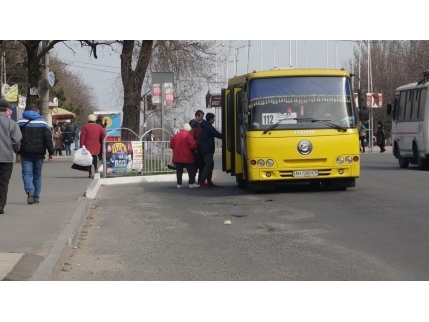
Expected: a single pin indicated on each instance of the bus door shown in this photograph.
(238, 133)
(226, 140)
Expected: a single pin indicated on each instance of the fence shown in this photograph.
(156, 155)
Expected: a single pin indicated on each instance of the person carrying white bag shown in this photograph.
(91, 137)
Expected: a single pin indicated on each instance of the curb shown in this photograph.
(92, 190)
(50, 268)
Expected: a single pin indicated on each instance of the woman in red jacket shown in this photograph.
(90, 137)
(184, 147)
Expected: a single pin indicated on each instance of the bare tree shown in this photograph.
(188, 60)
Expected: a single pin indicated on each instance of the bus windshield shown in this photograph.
(300, 102)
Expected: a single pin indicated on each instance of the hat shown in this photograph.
(92, 118)
(3, 104)
(187, 127)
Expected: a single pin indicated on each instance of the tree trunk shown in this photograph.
(33, 72)
(131, 112)
(132, 81)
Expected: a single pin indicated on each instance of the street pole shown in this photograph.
(306, 54)
(327, 56)
(261, 54)
(162, 112)
(45, 86)
(296, 53)
(290, 53)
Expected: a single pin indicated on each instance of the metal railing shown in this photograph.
(156, 154)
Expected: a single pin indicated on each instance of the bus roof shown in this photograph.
(289, 72)
(411, 85)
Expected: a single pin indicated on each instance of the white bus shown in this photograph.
(410, 125)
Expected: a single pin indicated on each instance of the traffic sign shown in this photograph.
(51, 79)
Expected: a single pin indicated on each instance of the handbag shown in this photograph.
(171, 165)
(80, 167)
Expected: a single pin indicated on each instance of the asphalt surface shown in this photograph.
(153, 231)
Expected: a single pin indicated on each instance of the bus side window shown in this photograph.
(401, 109)
(408, 106)
(422, 104)
(395, 108)
(415, 112)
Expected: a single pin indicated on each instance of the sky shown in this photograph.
(102, 74)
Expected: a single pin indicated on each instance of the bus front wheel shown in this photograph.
(241, 182)
(403, 163)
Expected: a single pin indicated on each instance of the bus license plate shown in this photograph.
(306, 173)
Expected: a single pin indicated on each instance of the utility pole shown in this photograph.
(2, 70)
(44, 86)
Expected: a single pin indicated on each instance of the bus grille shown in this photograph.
(289, 173)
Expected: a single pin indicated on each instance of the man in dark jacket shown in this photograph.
(381, 139)
(36, 139)
(10, 138)
(196, 132)
(207, 149)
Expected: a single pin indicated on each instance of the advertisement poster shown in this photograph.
(113, 121)
(124, 157)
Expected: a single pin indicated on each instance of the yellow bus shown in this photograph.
(290, 125)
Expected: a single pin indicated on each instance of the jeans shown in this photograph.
(32, 174)
(76, 142)
(199, 165)
(68, 149)
(5, 174)
(208, 168)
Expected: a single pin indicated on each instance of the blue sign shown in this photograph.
(113, 122)
(51, 79)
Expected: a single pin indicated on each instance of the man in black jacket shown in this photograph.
(207, 149)
(36, 139)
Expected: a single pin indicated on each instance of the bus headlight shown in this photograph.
(340, 160)
(270, 162)
(349, 160)
(261, 163)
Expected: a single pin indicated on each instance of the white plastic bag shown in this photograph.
(100, 169)
(82, 157)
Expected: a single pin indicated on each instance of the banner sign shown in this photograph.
(113, 121)
(124, 157)
(373, 100)
(156, 94)
(168, 94)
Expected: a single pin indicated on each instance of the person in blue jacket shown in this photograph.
(207, 149)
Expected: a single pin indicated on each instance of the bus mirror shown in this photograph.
(389, 109)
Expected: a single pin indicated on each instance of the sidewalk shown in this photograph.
(28, 233)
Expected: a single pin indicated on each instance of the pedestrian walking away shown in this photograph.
(184, 145)
(381, 138)
(76, 135)
(10, 140)
(68, 139)
(362, 135)
(90, 137)
(196, 132)
(36, 139)
(207, 148)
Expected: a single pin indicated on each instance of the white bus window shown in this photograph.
(401, 108)
(408, 106)
(423, 104)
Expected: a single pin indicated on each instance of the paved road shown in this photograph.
(375, 231)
